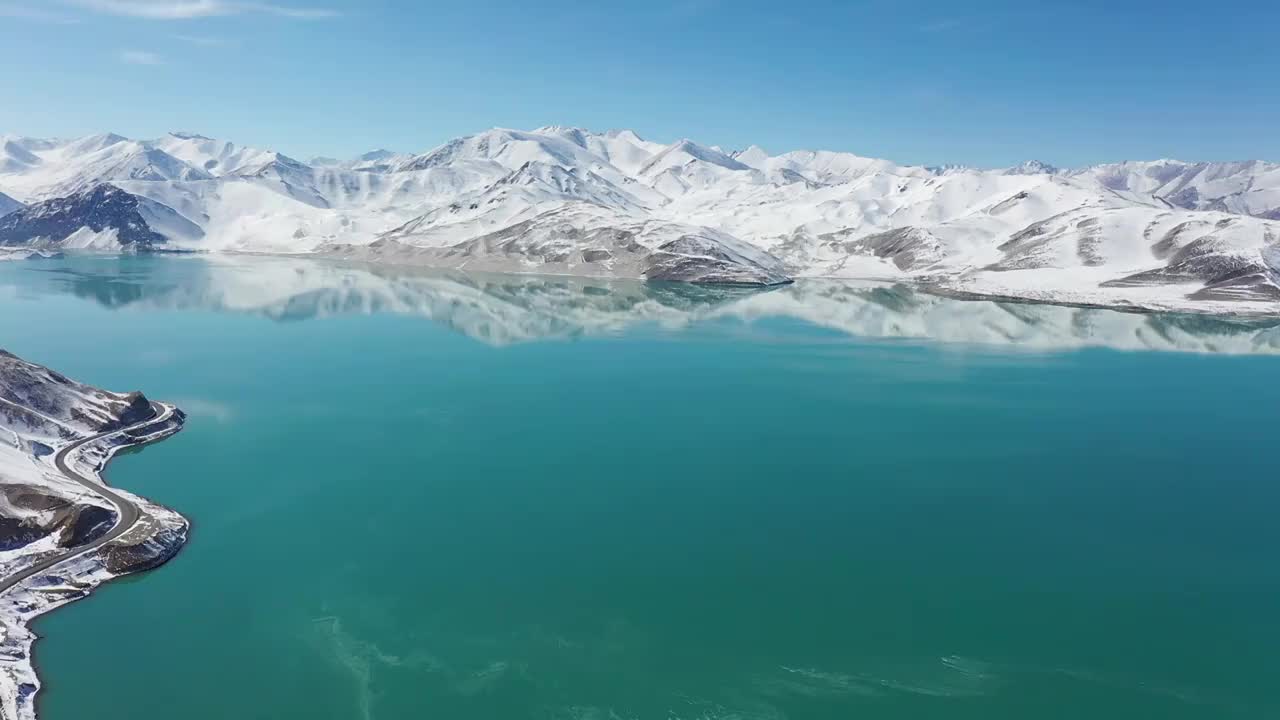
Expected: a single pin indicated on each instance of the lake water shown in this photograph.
(440, 496)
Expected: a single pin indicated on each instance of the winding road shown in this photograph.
(127, 512)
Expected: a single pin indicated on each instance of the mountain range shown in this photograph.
(1162, 234)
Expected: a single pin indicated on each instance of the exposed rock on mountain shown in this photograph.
(62, 532)
(568, 200)
(589, 241)
(70, 404)
(104, 217)
(1250, 187)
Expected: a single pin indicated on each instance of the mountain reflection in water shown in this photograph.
(505, 309)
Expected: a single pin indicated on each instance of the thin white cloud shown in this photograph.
(198, 407)
(28, 12)
(140, 57)
(156, 9)
(297, 13)
(193, 9)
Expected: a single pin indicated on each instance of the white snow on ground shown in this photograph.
(42, 412)
(822, 214)
(65, 582)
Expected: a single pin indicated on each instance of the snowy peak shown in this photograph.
(617, 147)
(93, 144)
(568, 184)
(1249, 187)
(1032, 167)
(686, 152)
(269, 162)
(509, 148)
(754, 156)
(828, 167)
(375, 155)
(379, 161)
(215, 157)
(571, 200)
(533, 189)
(8, 205)
(141, 162)
(102, 217)
(576, 135)
(815, 167)
(284, 175)
(624, 135)
(78, 166)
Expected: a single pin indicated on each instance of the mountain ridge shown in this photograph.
(1031, 230)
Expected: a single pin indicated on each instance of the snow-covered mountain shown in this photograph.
(380, 160)
(1250, 188)
(570, 201)
(44, 169)
(8, 205)
(101, 218)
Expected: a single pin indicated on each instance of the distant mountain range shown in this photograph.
(557, 200)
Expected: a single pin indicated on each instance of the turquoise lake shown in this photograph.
(492, 498)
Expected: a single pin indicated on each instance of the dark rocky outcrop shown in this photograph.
(91, 523)
(1033, 246)
(101, 208)
(1250, 285)
(41, 512)
(700, 260)
(153, 552)
(1200, 260)
(56, 396)
(909, 248)
(16, 533)
(562, 243)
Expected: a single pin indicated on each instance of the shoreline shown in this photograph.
(144, 536)
(1137, 308)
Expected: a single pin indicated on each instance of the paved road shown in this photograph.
(127, 512)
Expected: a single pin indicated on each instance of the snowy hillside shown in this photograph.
(63, 532)
(59, 401)
(569, 201)
(8, 205)
(1251, 187)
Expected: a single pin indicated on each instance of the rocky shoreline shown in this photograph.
(56, 439)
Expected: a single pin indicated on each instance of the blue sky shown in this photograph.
(985, 82)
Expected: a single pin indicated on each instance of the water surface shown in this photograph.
(443, 496)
